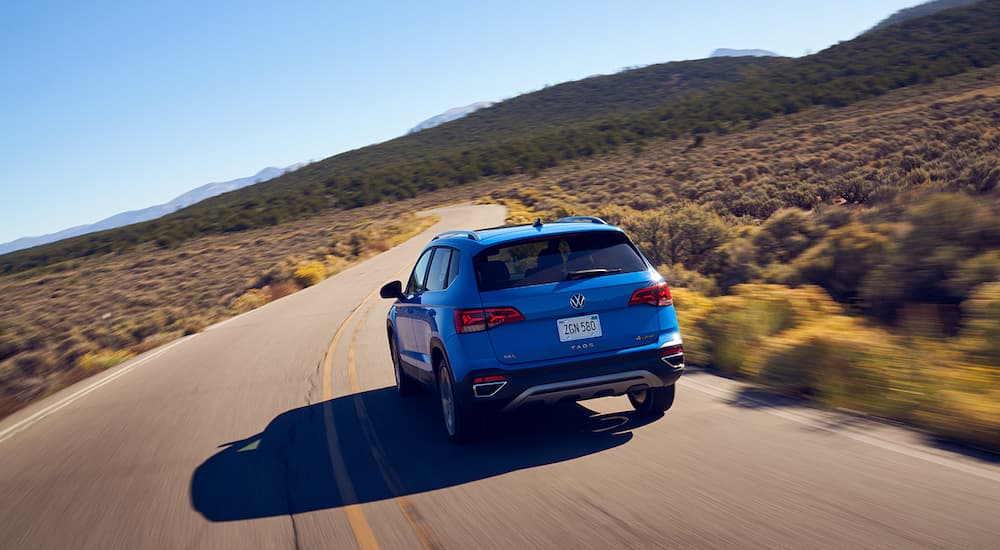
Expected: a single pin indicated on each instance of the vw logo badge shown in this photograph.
(577, 301)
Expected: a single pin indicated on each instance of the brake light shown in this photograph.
(478, 320)
(657, 295)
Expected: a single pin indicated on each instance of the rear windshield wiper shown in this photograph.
(588, 273)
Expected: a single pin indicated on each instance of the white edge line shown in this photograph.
(873, 441)
(55, 407)
(235, 317)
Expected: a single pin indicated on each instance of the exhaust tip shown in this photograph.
(673, 356)
(487, 389)
(675, 361)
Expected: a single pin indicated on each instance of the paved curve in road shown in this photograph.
(280, 429)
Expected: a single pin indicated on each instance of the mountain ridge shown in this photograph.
(149, 213)
(729, 52)
(454, 113)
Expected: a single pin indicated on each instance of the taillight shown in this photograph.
(657, 295)
(478, 320)
(489, 379)
(672, 350)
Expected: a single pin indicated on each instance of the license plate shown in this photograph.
(579, 328)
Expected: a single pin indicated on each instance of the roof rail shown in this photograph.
(472, 235)
(590, 219)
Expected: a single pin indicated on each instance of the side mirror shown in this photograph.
(392, 290)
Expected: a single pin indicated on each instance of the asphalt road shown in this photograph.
(281, 429)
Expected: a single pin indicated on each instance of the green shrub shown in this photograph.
(733, 263)
(680, 235)
(945, 232)
(677, 276)
(973, 272)
(785, 235)
(842, 260)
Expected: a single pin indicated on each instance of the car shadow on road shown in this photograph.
(288, 467)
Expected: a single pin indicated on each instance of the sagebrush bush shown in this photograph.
(741, 321)
(980, 335)
(692, 309)
(251, 299)
(309, 273)
(193, 325)
(153, 342)
(834, 360)
(102, 359)
(970, 418)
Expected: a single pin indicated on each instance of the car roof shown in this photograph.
(483, 238)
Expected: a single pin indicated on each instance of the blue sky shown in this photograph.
(113, 106)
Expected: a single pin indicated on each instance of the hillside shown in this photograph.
(922, 10)
(860, 169)
(579, 119)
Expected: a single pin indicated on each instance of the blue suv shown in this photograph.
(502, 318)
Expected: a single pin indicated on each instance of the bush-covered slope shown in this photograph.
(530, 134)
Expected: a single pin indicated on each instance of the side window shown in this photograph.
(453, 267)
(437, 277)
(419, 276)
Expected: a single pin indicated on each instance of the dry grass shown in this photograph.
(61, 326)
(799, 341)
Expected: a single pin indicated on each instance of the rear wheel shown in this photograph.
(405, 385)
(652, 400)
(460, 424)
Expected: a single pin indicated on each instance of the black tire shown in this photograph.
(460, 425)
(653, 400)
(405, 385)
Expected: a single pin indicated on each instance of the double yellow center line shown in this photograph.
(363, 533)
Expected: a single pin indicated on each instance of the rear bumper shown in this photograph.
(574, 381)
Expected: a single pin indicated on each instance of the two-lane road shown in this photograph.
(281, 429)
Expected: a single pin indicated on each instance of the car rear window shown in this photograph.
(557, 258)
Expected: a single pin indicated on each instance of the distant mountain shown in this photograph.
(193, 196)
(727, 52)
(928, 8)
(450, 115)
